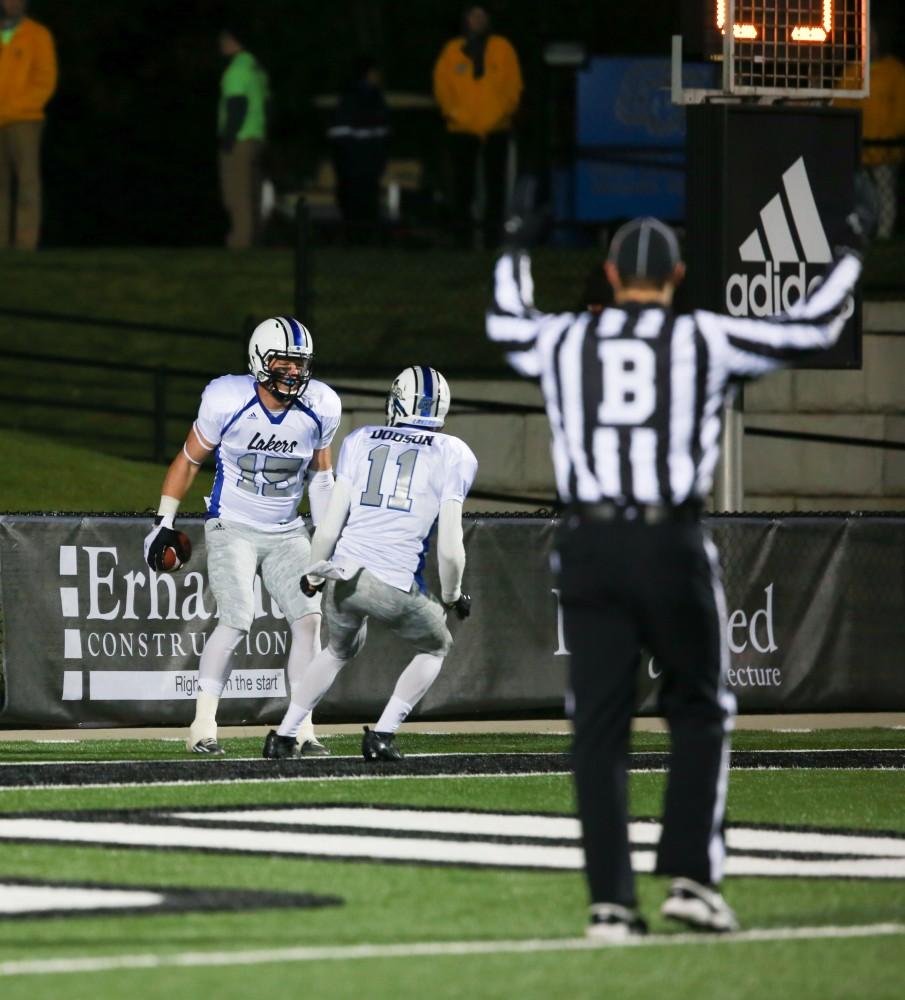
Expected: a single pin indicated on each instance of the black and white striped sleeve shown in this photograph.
(512, 321)
(751, 347)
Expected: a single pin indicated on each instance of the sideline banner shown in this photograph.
(91, 637)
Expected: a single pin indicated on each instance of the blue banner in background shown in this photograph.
(630, 141)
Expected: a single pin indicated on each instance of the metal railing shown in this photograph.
(158, 447)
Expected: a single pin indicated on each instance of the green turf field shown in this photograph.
(443, 930)
(72, 478)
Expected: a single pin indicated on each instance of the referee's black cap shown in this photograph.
(645, 249)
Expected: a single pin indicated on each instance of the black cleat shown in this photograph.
(313, 748)
(278, 747)
(379, 746)
(208, 746)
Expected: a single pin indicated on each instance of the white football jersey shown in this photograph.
(262, 457)
(398, 478)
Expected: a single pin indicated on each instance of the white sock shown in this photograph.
(293, 720)
(213, 673)
(395, 713)
(416, 679)
(214, 667)
(306, 644)
(318, 679)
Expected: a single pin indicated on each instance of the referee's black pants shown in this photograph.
(624, 584)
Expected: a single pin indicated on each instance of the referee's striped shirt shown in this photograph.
(635, 394)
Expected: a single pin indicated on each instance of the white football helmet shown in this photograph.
(419, 396)
(281, 339)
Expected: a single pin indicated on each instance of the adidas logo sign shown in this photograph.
(784, 277)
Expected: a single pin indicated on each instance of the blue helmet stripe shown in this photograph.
(296, 332)
(428, 397)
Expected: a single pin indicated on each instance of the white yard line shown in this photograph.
(426, 949)
(175, 783)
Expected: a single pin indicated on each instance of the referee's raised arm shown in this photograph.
(512, 321)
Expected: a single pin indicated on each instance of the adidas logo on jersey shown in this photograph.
(784, 276)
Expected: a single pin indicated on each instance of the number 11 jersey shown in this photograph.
(262, 457)
(398, 477)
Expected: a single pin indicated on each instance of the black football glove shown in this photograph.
(860, 225)
(462, 606)
(309, 589)
(525, 222)
(160, 537)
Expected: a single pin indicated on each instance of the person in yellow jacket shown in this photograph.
(883, 118)
(28, 78)
(478, 85)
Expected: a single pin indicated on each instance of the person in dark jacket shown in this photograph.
(359, 139)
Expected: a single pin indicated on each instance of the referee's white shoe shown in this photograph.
(699, 907)
(613, 923)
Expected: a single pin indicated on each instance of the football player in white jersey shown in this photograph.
(393, 483)
(270, 432)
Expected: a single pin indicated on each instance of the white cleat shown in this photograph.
(208, 746)
(699, 907)
(312, 747)
(611, 923)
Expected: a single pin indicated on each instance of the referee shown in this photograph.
(634, 395)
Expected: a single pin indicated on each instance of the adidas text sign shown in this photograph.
(789, 244)
(767, 292)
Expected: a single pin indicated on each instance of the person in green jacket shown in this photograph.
(242, 132)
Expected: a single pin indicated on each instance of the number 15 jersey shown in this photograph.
(261, 456)
(398, 478)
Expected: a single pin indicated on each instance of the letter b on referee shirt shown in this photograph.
(629, 389)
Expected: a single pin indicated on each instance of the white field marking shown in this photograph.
(647, 832)
(38, 898)
(879, 868)
(287, 778)
(318, 844)
(176, 783)
(806, 842)
(428, 949)
(56, 741)
(412, 820)
(793, 730)
(376, 848)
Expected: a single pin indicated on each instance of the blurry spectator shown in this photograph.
(883, 114)
(358, 139)
(242, 131)
(28, 78)
(478, 84)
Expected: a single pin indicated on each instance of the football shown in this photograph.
(176, 556)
